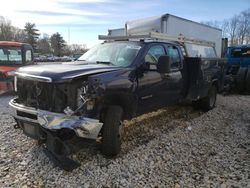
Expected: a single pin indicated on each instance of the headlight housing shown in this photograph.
(84, 98)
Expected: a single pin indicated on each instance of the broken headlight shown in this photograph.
(87, 95)
(84, 98)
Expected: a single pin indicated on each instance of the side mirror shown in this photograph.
(163, 65)
(146, 66)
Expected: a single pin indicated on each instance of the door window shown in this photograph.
(153, 55)
(28, 56)
(174, 56)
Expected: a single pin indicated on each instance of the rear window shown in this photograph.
(195, 50)
(240, 52)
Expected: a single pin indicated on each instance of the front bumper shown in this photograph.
(32, 119)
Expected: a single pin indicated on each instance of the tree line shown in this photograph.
(236, 28)
(43, 44)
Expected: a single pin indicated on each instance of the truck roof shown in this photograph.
(240, 46)
(12, 43)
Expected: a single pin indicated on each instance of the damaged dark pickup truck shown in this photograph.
(113, 81)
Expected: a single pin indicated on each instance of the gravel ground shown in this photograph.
(173, 147)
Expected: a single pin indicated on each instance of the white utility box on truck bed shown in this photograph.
(174, 26)
(116, 32)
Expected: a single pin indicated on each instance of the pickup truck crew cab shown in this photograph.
(116, 80)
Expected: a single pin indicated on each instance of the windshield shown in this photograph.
(240, 52)
(117, 53)
(10, 55)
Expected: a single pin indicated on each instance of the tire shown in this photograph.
(196, 104)
(209, 102)
(111, 133)
(240, 79)
(248, 81)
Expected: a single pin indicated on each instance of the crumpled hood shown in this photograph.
(67, 71)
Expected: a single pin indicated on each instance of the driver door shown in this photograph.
(150, 82)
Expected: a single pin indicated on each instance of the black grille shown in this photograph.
(54, 97)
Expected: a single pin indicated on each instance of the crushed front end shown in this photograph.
(54, 113)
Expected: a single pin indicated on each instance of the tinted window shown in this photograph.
(174, 56)
(28, 56)
(195, 50)
(153, 55)
(240, 52)
(10, 55)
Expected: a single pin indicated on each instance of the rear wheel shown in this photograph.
(209, 101)
(112, 131)
(248, 81)
(240, 79)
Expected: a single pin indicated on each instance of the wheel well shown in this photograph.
(216, 84)
(126, 101)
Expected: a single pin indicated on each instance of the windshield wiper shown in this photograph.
(105, 62)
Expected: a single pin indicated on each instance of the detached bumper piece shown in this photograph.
(44, 126)
(83, 127)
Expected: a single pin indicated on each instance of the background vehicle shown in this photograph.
(238, 67)
(12, 56)
(119, 79)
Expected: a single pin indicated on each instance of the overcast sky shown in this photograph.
(80, 21)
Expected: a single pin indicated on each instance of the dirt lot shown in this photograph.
(174, 147)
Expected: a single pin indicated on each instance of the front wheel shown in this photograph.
(112, 130)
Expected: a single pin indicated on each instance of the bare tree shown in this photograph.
(78, 48)
(9, 32)
(244, 26)
(233, 26)
(213, 23)
(224, 27)
(5, 29)
(19, 35)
